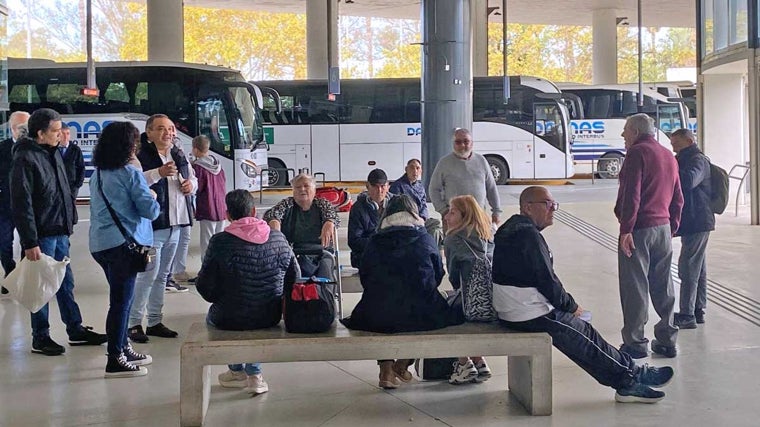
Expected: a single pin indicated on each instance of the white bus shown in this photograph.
(376, 123)
(200, 99)
(605, 107)
(686, 92)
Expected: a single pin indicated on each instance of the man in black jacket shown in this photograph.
(364, 218)
(528, 296)
(17, 124)
(697, 221)
(43, 212)
(73, 160)
(242, 276)
(169, 174)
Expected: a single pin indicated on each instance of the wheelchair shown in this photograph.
(326, 268)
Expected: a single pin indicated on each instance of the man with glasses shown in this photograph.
(43, 212)
(528, 296)
(648, 209)
(464, 172)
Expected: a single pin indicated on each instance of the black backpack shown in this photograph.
(309, 306)
(719, 184)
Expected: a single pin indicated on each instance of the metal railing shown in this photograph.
(741, 177)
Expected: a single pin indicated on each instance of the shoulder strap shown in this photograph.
(130, 240)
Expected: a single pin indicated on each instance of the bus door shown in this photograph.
(551, 143)
(325, 138)
(228, 115)
(670, 117)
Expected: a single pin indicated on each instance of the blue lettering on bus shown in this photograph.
(89, 128)
(587, 127)
(413, 131)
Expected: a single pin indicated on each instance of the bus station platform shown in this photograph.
(717, 366)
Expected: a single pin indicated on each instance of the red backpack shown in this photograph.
(338, 197)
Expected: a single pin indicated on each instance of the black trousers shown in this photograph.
(579, 341)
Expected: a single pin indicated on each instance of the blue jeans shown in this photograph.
(58, 248)
(6, 244)
(179, 264)
(249, 368)
(150, 285)
(121, 280)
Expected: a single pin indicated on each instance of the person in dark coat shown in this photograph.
(73, 160)
(242, 276)
(697, 221)
(364, 218)
(43, 213)
(17, 124)
(410, 183)
(400, 272)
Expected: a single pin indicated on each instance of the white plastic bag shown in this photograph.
(34, 283)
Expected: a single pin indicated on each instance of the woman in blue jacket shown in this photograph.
(126, 190)
(400, 274)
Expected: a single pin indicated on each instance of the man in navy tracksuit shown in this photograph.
(528, 296)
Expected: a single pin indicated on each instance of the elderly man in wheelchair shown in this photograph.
(309, 225)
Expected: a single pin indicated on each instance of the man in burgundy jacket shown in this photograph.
(648, 209)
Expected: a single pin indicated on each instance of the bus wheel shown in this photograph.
(499, 168)
(608, 166)
(278, 175)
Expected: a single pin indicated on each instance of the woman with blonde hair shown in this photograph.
(468, 238)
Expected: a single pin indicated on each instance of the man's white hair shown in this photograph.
(642, 124)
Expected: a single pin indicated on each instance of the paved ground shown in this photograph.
(717, 367)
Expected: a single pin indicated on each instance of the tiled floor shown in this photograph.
(716, 369)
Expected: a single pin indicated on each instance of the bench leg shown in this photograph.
(194, 394)
(530, 381)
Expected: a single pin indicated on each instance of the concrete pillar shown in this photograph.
(753, 102)
(725, 122)
(446, 77)
(317, 37)
(479, 20)
(604, 22)
(166, 31)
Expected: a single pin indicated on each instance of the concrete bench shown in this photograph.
(529, 356)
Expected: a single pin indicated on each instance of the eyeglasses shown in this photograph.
(550, 204)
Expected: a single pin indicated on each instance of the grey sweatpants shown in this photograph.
(647, 271)
(692, 270)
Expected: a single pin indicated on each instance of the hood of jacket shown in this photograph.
(250, 229)
(210, 163)
(402, 219)
(396, 239)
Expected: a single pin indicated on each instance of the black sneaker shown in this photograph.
(173, 287)
(85, 336)
(4, 291)
(699, 316)
(684, 321)
(119, 367)
(652, 376)
(160, 330)
(46, 346)
(191, 281)
(135, 358)
(638, 393)
(633, 352)
(136, 334)
(663, 350)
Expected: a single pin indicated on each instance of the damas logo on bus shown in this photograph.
(587, 129)
(413, 131)
(86, 133)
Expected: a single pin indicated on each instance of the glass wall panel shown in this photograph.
(738, 24)
(708, 27)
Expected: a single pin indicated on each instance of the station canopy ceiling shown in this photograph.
(655, 13)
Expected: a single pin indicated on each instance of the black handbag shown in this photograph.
(309, 306)
(141, 258)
